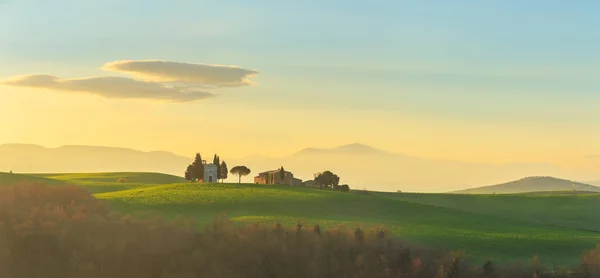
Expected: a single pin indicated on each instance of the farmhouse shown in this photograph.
(210, 172)
(274, 177)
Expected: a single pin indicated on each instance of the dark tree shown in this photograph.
(345, 188)
(218, 163)
(189, 173)
(240, 171)
(198, 172)
(335, 181)
(327, 179)
(223, 170)
(281, 174)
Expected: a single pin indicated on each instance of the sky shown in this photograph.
(503, 81)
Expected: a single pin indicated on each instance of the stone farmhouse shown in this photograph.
(274, 177)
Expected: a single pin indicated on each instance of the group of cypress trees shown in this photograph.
(195, 171)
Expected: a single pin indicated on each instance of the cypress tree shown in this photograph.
(189, 173)
(282, 175)
(223, 170)
(198, 172)
(218, 164)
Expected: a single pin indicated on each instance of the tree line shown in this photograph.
(195, 171)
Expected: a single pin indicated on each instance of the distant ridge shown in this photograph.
(349, 149)
(531, 185)
(29, 158)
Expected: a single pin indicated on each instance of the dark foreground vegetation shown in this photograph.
(52, 232)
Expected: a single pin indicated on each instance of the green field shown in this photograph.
(107, 182)
(502, 228)
(10, 179)
(578, 211)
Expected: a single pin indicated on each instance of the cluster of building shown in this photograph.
(268, 177)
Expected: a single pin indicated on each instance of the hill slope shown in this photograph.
(531, 184)
(569, 210)
(14, 179)
(107, 182)
(130, 177)
(478, 235)
(94, 182)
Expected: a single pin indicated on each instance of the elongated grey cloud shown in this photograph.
(109, 87)
(183, 73)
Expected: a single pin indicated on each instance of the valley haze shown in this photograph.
(361, 166)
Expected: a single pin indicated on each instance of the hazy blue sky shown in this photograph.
(420, 77)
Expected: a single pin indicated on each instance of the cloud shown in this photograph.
(109, 87)
(185, 74)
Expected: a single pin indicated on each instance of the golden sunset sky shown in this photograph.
(499, 83)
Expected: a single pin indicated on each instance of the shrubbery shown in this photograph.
(65, 232)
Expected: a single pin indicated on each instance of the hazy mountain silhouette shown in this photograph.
(360, 166)
(351, 149)
(594, 183)
(363, 166)
(25, 158)
(532, 184)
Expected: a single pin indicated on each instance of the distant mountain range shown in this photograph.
(361, 166)
(532, 184)
(27, 158)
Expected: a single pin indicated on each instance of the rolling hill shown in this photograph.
(479, 235)
(500, 227)
(13, 179)
(556, 208)
(130, 177)
(94, 182)
(531, 184)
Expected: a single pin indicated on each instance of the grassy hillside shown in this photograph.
(577, 211)
(131, 177)
(12, 179)
(479, 235)
(531, 184)
(107, 182)
(502, 227)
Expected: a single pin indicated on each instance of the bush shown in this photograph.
(121, 180)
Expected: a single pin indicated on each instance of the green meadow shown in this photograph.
(557, 228)
(568, 209)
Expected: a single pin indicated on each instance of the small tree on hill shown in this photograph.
(223, 170)
(240, 171)
(218, 163)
